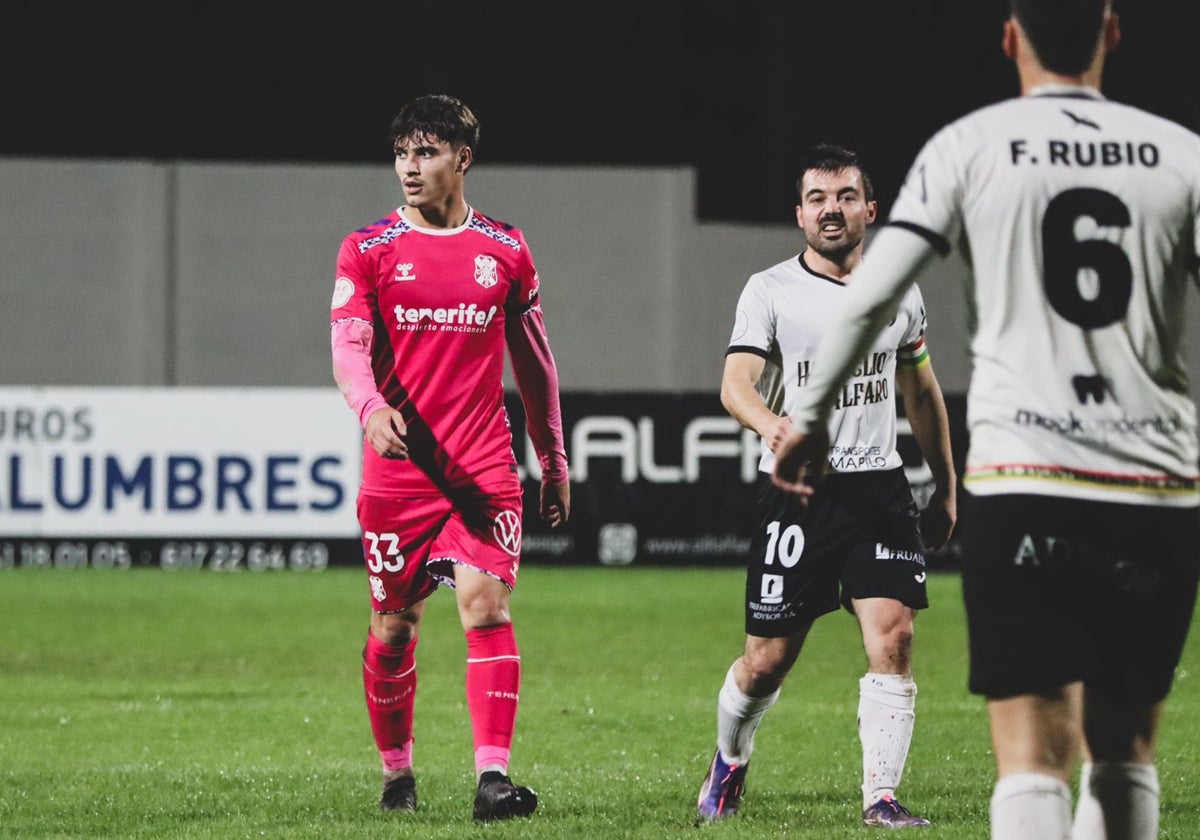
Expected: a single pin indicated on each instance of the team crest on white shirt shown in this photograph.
(485, 271)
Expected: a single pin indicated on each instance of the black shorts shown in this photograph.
(1063, 590)
(858, 537)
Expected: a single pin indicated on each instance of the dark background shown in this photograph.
(735, 90)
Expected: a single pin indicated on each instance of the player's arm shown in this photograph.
(741, 398)
(351, 337)
(383, 427)
(925, 408)
(897, 256)
(536, 375)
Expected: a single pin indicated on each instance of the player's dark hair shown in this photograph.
(439, 116)
(827, 157)
(1063, 33)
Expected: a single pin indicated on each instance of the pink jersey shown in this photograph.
(437, 303)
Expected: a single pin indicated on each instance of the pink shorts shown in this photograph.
(410, 545)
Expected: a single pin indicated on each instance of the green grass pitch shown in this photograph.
(152, 704)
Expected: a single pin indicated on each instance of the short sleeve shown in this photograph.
(353, 286)
(754, 320)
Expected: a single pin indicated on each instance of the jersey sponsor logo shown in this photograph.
(857, 457)
(919, 578)
(466, 317)
(506, 528)
(1071, 425)
(537, 284)
(485, 271)
(883, 552)
(404, 272)
(771, 589)
(1089, 386)
(343, 290)
(868, 392)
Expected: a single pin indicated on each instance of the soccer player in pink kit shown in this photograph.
(425, 302)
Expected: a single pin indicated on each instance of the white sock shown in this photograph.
(1031, 806)
(738, 717)
(886, 704)
(1117, 801)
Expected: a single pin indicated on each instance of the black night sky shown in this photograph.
(734, 89)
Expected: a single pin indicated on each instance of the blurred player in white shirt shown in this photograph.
(859, 546)
(1081, 525)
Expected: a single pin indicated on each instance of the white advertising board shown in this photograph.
(194, 463)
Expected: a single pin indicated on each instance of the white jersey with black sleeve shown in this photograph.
(1081, 219)
(782, 314)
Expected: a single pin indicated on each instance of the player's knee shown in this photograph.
(398, 628)
(890, 652)
(764, 669)
(483, 608)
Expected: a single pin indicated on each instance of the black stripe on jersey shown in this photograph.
(522, 308)
(938, 241)
(746, 348)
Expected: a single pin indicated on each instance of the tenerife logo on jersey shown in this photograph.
(507, 530)
(466, 317)
(485, 271)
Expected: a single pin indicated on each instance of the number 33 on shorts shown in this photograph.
(383, 553)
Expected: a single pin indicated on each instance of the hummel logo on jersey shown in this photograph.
(1089, 386)
(404, 272)
(1078, 120)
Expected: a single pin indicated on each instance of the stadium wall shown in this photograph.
(168, 276)
(151, 273)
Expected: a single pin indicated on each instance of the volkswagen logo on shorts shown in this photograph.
(507, 529)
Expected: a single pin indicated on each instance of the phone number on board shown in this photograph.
(211, 555)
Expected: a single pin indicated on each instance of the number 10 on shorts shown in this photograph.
(787, 547)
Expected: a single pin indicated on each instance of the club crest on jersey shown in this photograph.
(485, 271)
(377, 588)
(507, 530)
